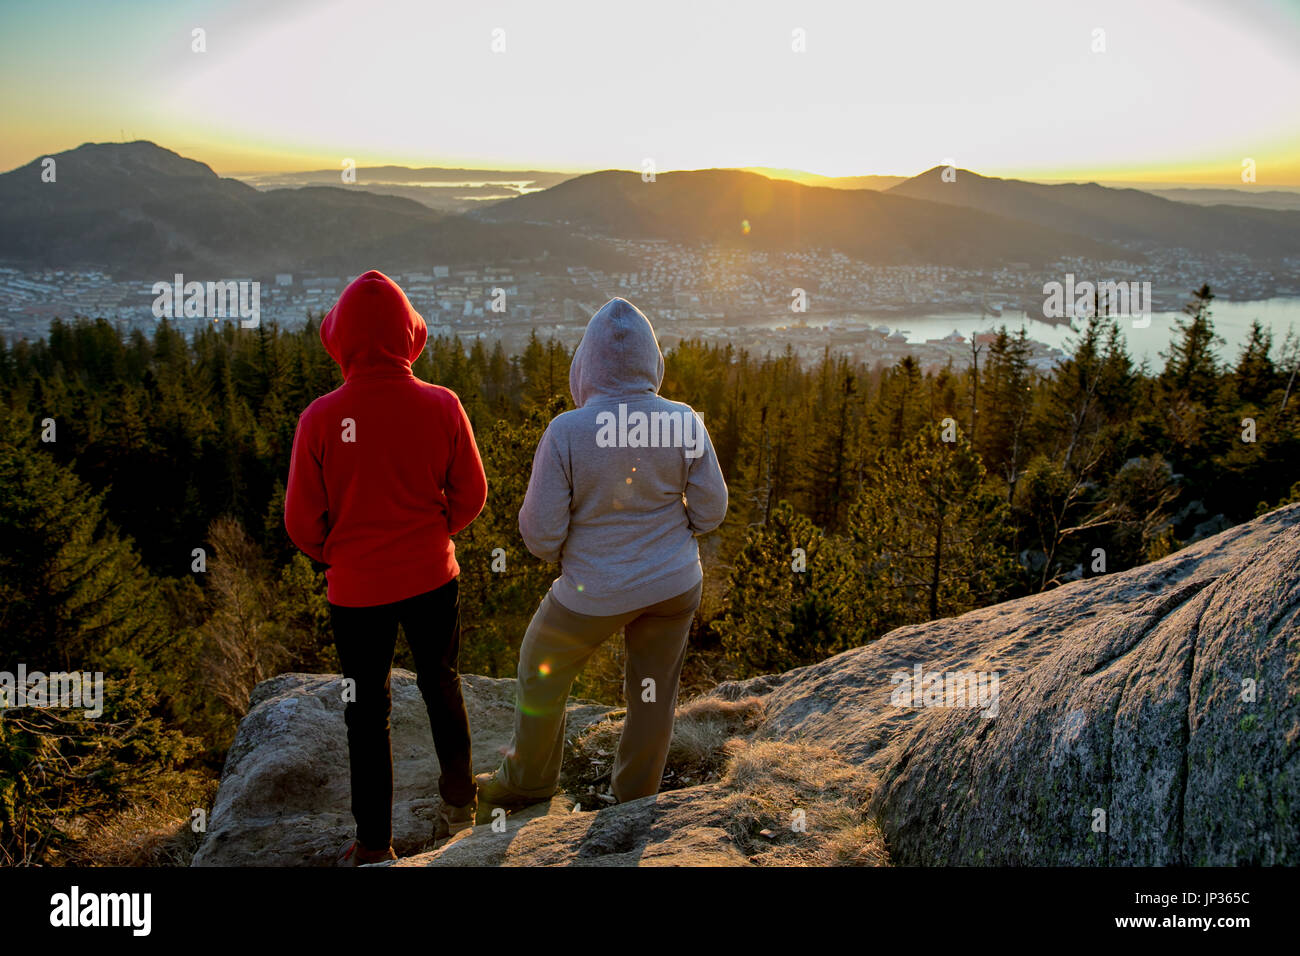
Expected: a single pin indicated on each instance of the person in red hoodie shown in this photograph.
(384, 471)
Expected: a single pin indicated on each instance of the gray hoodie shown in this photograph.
(622, 484)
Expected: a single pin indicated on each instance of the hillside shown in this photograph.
(442, 189)
(1121, 695)
(712, 205)
(1203, 196)
(139, 210)
(1115, 215)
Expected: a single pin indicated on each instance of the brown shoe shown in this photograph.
(493, 791)
(354, 854)
(452, 820)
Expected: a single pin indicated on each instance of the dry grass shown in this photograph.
(765, 782)
(156, 833)
(704, 728)
(772, 780)
(697, 754)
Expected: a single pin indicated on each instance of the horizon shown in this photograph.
(270, 91)
(801, 176)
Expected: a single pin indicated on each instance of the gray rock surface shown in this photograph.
(1120, 694)
(679, 828)
(284, 797)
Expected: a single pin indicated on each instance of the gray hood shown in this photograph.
(618, 355)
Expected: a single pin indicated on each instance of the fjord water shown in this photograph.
(1231, 320)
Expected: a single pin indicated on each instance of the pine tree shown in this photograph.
(928, 532)
(1191, 366)
(74, 594)
(75, 598)
(1008, 398)
(899, 409)
(1255, 376)
(834, 438)
(789, 598)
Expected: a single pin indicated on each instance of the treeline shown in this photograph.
(915, 496)
(143, 480)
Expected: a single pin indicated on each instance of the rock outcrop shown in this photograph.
(284, 798)
(1147, 717)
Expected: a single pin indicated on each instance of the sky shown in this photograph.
(1183, 91)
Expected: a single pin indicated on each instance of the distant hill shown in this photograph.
(833, 182)
(1114, 215)
(1262, 199)
(418, 174)
(444, 189)
(712, 205)
(139, 210)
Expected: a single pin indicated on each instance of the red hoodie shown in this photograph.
(384, 469)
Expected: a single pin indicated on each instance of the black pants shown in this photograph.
(366, 638)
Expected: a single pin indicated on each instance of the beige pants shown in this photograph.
(555, 648)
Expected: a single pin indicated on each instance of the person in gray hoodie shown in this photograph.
(620, 488)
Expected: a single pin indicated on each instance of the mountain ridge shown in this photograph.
(1116, 214)
(138, 208)
(715, 205)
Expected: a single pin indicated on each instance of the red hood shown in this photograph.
(372, 329)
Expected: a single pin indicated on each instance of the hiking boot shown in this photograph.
(451, 820)
(493, 790)
(354, 854)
